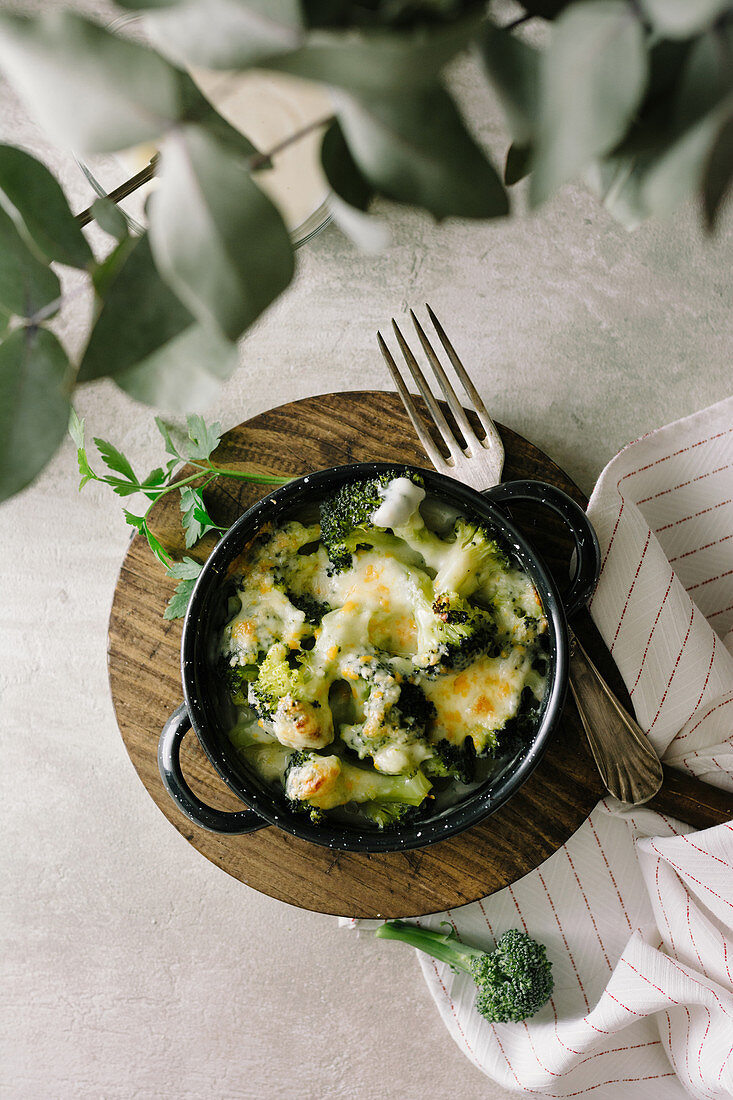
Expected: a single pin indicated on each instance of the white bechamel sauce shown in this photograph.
(402, 498)
(267, 108)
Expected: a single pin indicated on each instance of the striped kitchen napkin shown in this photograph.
(636, 909)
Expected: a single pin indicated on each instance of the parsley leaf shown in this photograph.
(186, 570)
(203, 438)
(178, 602)
(141, 524)
(164, 429)
(115, 460)
(196, 520)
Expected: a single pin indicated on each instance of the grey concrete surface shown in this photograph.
(132, 967)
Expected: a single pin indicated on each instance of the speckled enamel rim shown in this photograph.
(486, 799)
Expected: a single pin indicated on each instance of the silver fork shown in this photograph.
(626, 760)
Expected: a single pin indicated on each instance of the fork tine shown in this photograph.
(437, 459)
(451, 397)
(443, 428)
(493, 438)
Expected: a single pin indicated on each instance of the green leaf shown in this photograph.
(110, 218)
(513, 69)
(683, 18)
(350, 194)
(225, 34)
(195, 519)
(184, 373)
(186, 570)
(141, 524)
(593, 76)
(76, 428)
(4, 321)
(379, 62)
(87, 473)
(30, 189)
(34, 405)
(517, 165)
(178, 603)
(156, 479)
(546, 9)
(341, 170)
(26, 284)
(414, 148)
(678, 170)
(88, 87)
(148, 342)
(104, 273)
(718, 173)
(170, 447)
(217, 239)
(114, 460)
(204, 439)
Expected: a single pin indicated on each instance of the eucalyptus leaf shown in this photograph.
(513, 69)
(380, 62)
(225, 34)
(4, 321)
(110, 218)
(88, 87)
(679, 169)
(718, 176)
(414, 148)
(138, 317)
(683, 18)
(517, 164)
(593, 76)
(341, 170)
(217, 239)
(26, 284)
(34, 405)
(30, 189)
(148, 342)
(184, 373)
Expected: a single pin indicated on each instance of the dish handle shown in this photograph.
(169, 765)
(587, 552)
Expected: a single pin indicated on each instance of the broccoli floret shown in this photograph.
(319, 783)
(290, 701)
(349, 510)
(449, 761)
(396, 716)
(238, 678)
(312, 608)
(472, 553)
(512, 982)
(451, 634)
(388, 814)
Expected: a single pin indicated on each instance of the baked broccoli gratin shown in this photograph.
(382, 656)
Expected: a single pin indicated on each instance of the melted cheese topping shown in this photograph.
(381, 609)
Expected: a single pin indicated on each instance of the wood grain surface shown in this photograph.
(143, 657)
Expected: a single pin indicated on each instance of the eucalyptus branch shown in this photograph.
(255, 163)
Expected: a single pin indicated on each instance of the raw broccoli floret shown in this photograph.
(473, 551)
(318, 783)
(451, 634)
(512, 982)
(349, 510)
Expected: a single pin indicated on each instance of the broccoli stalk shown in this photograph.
(513, 982)
(472, 552)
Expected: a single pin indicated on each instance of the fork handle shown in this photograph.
(587, 552)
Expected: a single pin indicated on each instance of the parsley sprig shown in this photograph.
(195, 450)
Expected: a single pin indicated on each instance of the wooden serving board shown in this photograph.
(144, 671)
